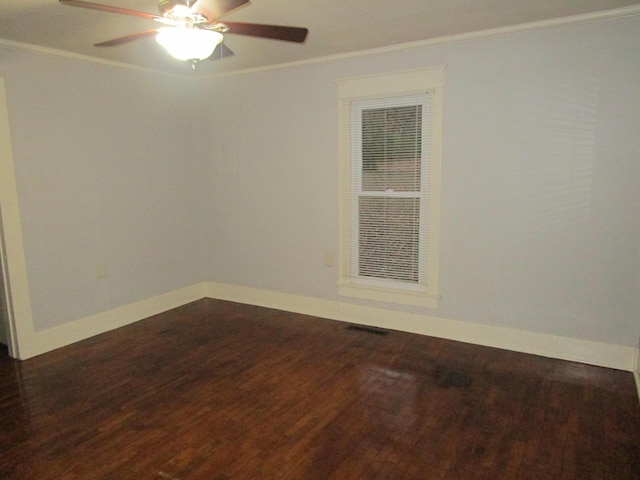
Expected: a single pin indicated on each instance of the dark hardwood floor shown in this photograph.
(218, 390)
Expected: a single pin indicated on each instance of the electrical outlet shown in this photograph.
(101, 270)
(329, 258)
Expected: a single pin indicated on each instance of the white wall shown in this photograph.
(541, 178)
(268, 225)
(105, 173)
(233, 180)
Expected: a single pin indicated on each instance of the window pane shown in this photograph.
(392, 148)
(389, 238)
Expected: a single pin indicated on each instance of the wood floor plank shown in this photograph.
(219, 390)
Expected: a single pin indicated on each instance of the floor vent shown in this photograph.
(367, 329)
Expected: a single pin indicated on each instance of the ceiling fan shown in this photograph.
(192, 30)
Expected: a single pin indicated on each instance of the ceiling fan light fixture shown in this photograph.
(188, 44)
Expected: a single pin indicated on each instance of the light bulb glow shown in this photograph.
(187, 44)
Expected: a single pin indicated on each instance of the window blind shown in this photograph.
(387, 189)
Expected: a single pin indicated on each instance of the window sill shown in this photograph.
(414, 299)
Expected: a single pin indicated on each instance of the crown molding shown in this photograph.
(53, 52)
(462, 37)
(616, 13)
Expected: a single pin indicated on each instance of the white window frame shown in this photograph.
(351, 92)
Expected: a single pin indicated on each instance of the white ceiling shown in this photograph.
(335, 27)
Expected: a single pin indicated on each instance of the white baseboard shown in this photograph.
(44, 341)
(595, 353)
(636, 370)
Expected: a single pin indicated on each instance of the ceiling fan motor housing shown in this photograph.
(166, 6)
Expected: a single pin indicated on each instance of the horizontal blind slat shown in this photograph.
(390, 141)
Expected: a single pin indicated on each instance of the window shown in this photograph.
(389, 194)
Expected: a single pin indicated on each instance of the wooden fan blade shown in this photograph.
(214, 9)
(126, 38)
(221, 51)
(108, 8)
(275, 32)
